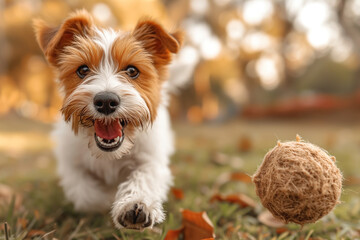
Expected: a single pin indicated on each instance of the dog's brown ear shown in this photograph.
(52, 40)
(157, 41)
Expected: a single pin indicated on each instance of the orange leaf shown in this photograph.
(173, 234)
(33, 233)
(36, 214)
(197, 225)
(178, 193)
(240, 199)
(230, 230)
(281, 230)
(240, 176)
(269, 220)
(22, 222)
(244, 144)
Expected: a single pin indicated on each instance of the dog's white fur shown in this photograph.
(136, 173)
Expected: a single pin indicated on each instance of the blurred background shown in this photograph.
(259, 70)
(251, 58)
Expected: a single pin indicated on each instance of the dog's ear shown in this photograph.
(52, 40)
(157, 41)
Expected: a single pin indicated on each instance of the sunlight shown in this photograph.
(236, 90)
(210, 48)
(102, 12)
(188, 55)
(235, 29)
(293, 7)
(198, 32)
(313, 15)
(320, 37)
(268, 72)
(199, 6)
(256, 41)
(255, 11)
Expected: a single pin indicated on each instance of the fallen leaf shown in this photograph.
(244, 144)
(178, 193)
(230, 230)
(35, 232)
(174, 234)
(281, 230)
(240, 176)
(36, 214)
(195, 226)
(241, 199)
(22, 222)
(269, 220)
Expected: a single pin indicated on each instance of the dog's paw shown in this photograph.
(137, 216)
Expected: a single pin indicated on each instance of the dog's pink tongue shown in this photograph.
(108, 131)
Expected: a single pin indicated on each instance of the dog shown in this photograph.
(114, 140)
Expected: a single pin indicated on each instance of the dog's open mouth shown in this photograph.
(109, 136)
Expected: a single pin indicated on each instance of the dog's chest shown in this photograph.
(110, 172)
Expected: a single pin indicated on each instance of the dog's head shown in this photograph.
(111, 80)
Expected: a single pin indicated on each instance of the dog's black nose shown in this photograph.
(106, 102)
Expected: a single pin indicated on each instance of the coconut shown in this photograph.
(298, 182)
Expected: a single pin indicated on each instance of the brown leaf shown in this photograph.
(241, 199)
(178, 193)
(22, 222)
(35, 232)
(195, 225)
(230, 230)
(281, 230)
(36, 214)
(269, 220)
(244, 144)
(174, 234)
(240, 176)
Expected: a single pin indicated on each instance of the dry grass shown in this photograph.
(205, 153)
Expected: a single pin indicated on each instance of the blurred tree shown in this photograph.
(244, 51)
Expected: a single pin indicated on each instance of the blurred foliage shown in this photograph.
(243, 51)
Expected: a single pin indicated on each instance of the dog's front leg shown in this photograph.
(138, 202)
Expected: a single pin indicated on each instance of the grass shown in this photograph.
(29, 168)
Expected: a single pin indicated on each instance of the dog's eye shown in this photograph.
(82, 71)
(132, 72)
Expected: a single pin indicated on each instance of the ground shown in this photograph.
(206, 154)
